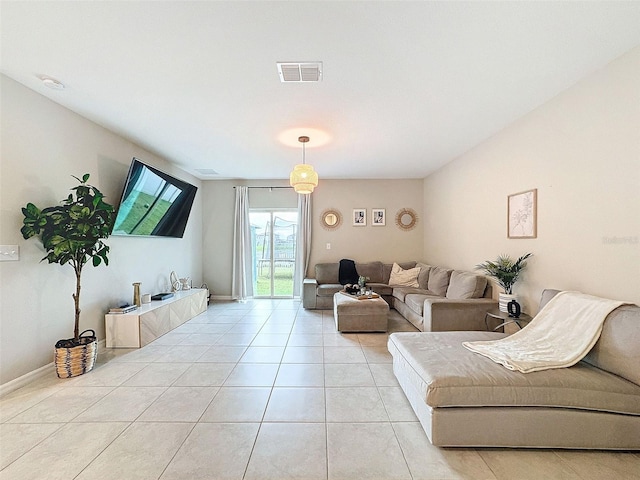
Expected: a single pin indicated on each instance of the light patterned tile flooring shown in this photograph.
(262, 390)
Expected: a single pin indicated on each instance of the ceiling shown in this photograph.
(406, 86)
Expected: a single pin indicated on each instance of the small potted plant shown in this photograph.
(72, 233)
(506, 272)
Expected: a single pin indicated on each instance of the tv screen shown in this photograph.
(153, 203)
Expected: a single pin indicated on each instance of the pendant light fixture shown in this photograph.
(303, 179)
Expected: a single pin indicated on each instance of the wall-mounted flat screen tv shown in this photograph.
(153, 203)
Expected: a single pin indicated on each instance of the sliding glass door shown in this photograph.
(273, 235)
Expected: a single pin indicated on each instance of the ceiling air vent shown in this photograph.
(206, 171)
(300, 71)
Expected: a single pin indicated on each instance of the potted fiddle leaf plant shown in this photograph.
(72, 233)
(506, 271)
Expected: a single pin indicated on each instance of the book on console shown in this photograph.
(123, 309)
(161, 296)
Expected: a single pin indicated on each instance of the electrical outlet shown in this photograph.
(328, 246)
(9, 253)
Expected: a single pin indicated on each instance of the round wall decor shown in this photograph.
(330, 219)
(406, 219)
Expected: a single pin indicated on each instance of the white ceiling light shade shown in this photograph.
(300, 71)
(303, 178)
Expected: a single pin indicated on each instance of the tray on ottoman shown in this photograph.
(360, 315)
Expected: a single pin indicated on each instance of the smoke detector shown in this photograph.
(300, 71)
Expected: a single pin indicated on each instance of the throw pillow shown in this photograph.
(423, 278)
(404, 278)
(466, 285)
(439, 280)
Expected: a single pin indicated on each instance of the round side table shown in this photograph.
(505, 319)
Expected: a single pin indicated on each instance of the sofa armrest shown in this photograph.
(309, 289)
(442, 314)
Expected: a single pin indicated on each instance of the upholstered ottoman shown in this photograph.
(353, 315)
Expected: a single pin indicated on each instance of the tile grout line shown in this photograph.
(255, 441)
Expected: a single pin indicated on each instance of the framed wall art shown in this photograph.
(378, 217)
(522, 211)
(359, 217)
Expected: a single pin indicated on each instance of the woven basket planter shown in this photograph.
(76, 358)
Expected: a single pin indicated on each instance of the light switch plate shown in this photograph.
(9, 253)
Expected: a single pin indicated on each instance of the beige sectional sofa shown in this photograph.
(465, 399)
(444, 299)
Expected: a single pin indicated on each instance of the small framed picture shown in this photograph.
(359, 217)
(378, 217)
(522, 212)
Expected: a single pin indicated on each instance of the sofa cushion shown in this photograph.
(380, 288)
(448, 375)
(423, 276)
(404, 278)
(466, 285)
(401, 292)
(373, 270)
(439, 280)
(618, 348)
(415, 301)
(328, 289)
(327, 273)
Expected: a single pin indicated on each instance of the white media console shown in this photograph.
(152, 320)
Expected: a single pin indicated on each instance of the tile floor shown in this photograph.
(263, 390)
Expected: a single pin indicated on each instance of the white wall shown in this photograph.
(581, 151)
(369, 243)
(43, 144)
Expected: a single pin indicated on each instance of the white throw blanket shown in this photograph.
(560, 335)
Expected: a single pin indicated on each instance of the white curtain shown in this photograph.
(303, 243)
(241, 280)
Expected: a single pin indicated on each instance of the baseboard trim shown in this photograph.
(16, 383)
(25, 379)
(221, 297)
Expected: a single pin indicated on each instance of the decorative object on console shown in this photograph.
(303, 178)
(522, 210)
(137, 301)
(378, 217)
(330, 219)
(175, 283)
(506, 272)
(406, 219)
(72, 233)
(359, 217)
